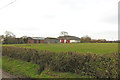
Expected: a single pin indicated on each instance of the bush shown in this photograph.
(83, 64)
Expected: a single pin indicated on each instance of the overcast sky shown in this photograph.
(47, 18)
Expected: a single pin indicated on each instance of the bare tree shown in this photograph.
(9, 34)
(64, 33)
(9, 38)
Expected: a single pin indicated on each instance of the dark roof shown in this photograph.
(50, 38)
(69, 37)
(36, 38)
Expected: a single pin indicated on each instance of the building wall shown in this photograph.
(64, 41)
(74, 41)
(42, 41)
(30, 41)
(69, 41)
(37, 41)
(52, 41)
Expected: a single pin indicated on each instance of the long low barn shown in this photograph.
(69, 39)
(52, 40)
(36, 39)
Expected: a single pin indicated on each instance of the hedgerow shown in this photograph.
(93, 65)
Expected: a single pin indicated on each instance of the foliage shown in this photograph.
(83, 64)
(9, 34)
(85, 39)
(27, 69)
(98, 41)
(10, 38)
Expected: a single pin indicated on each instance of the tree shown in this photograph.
(1, 39)
(9, 38)
(98, 41)
(9, 34)
(64, 33)
(93, 41)
(85, 39)
(25, 39)
(101, 40)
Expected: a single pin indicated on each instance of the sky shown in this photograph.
(47, 18)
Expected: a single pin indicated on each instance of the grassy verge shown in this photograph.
(18, 67)
(27, 69)
(52, 74)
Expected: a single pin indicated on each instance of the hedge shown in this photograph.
(93, 65)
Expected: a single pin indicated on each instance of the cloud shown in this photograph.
(109, 35)
(50, 17)
(112, 19)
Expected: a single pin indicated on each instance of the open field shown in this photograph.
(96, 48)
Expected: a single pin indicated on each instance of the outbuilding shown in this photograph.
(52, 40)
(36, 39)
(69, 39)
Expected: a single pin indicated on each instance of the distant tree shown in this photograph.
(25, 39)
(93, 41)
(1, 38)
(9, 38)
(101, 40)
(19, 41)
(64, 33)
(9, 34)
(85, 39)
(98, 41)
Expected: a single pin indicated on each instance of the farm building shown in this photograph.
(69, 39)
(36, 39)
(51, 40)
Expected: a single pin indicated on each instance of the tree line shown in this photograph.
(87, 39)
(10, 38)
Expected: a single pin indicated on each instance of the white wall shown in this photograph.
(74, 41)
(71, 41)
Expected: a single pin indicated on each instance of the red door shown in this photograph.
(68, 41)
(62, 40)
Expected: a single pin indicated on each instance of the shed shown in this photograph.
(69, 39)
(36, 39)
(52, 40)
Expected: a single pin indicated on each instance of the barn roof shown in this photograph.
(51, 38)
(69, 37)
(37, 38)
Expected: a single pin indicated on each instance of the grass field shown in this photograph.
(97, 48)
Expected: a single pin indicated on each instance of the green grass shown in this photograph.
(52, 74)
(97, 48)
(18, 67)
(28, 69)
